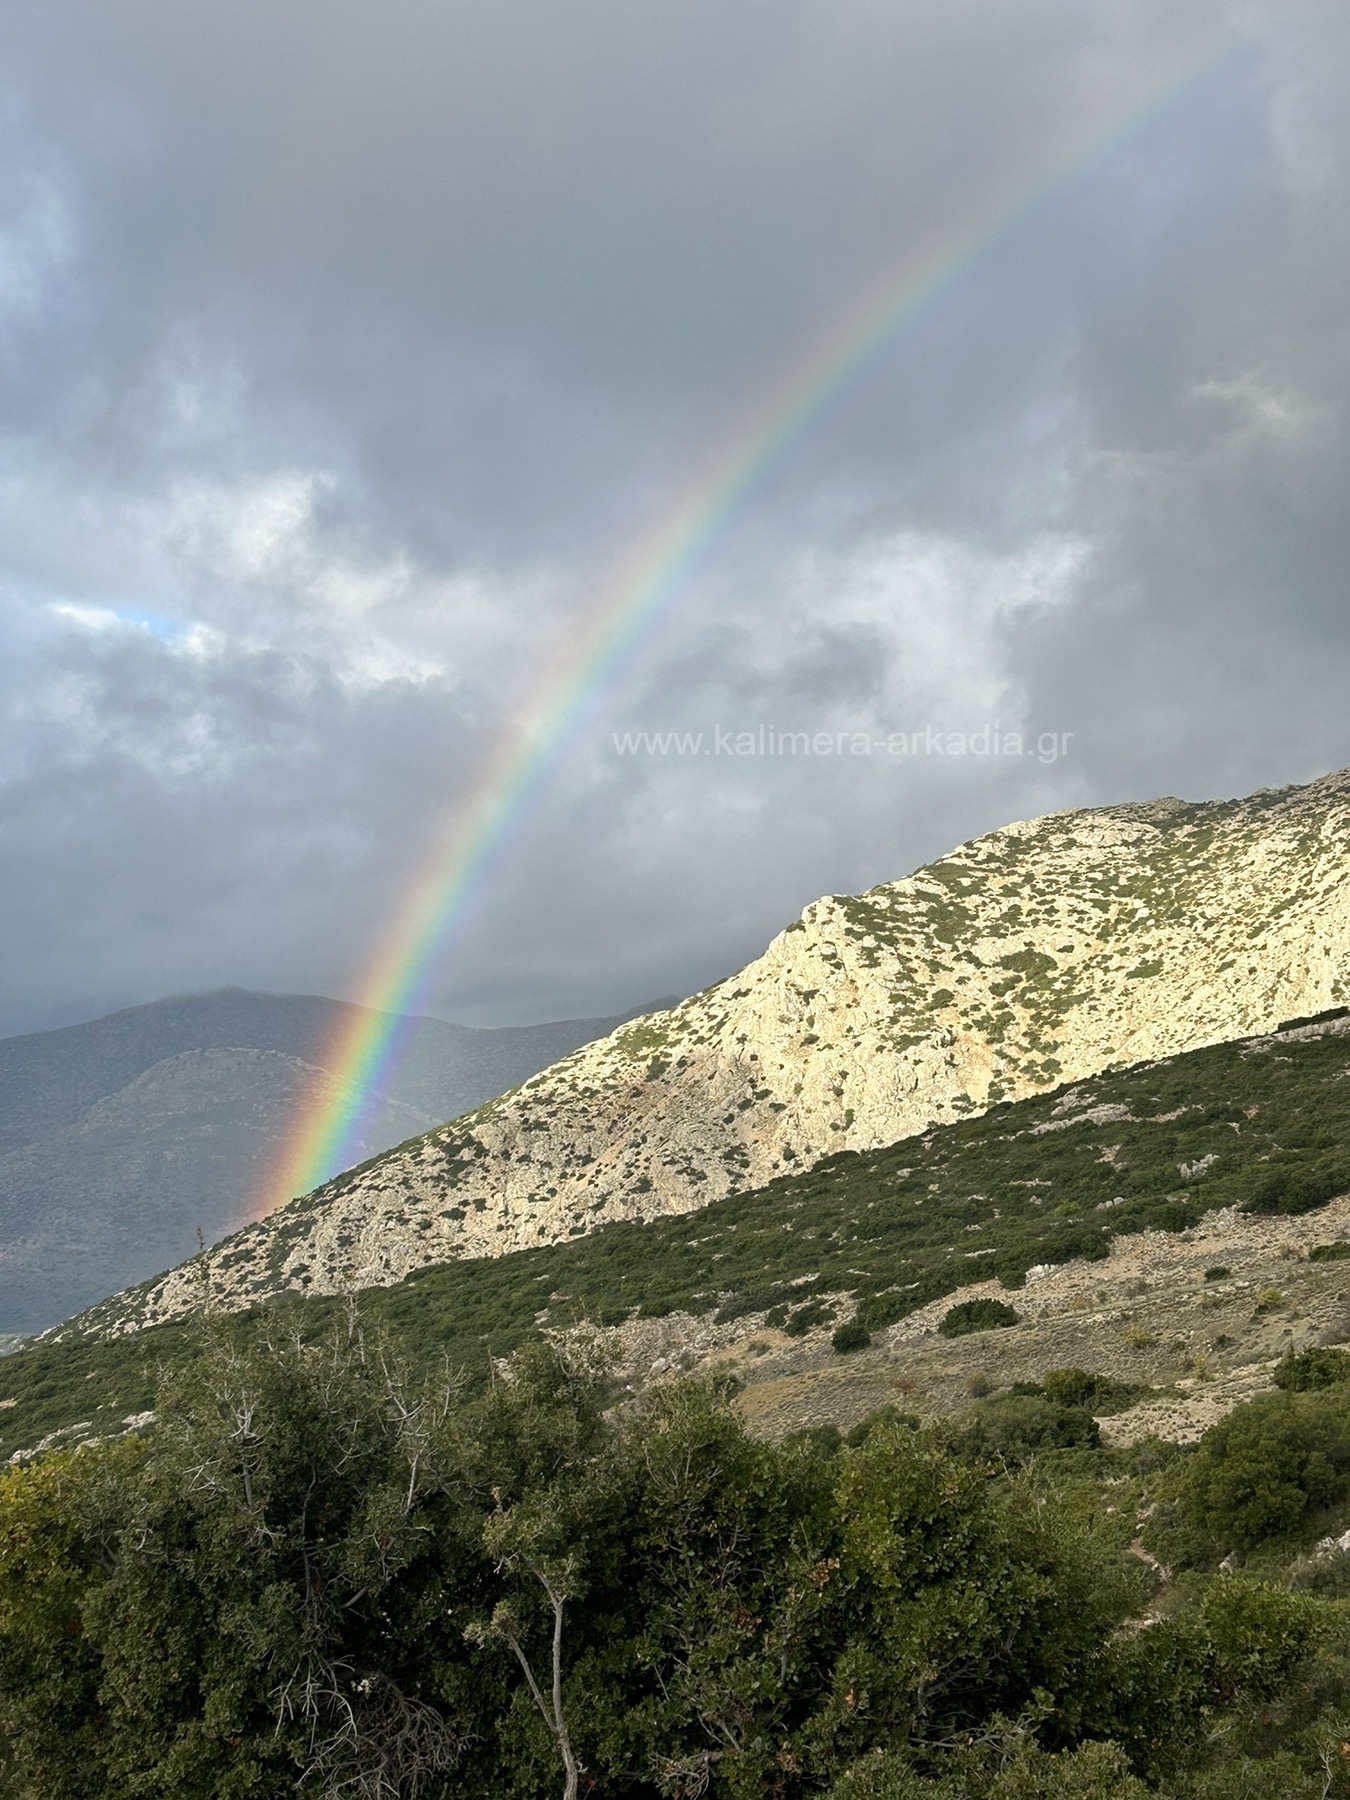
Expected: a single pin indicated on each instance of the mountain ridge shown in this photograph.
(1083, 940)
(48, 1078)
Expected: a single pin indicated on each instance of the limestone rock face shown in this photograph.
(1042, 953)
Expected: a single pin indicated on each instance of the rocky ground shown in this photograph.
(1145, 1315)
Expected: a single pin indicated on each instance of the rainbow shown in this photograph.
(479, 831)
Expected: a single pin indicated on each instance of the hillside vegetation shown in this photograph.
(322, 1574)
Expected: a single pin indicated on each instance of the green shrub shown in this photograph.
(806, 1318)
(1260, 1637)
(1288, 1192)
(1017, 1425)
(1218, 1273)
(1332, 1012)
(1336, 1252)
(1304, 1371)
(739, 1306)
(1264, 1472)
(852, 1335)
(1228, 1643)
(1068, 1387)
(825, 1440)
(884, 1415)
(976, 1315)
(1014, 1767)
(1076, 1387)
(877, 1311)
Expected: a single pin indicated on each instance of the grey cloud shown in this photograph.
(346, 348)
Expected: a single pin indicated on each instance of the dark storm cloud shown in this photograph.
(344, 347)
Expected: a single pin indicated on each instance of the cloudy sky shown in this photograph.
(348, 349)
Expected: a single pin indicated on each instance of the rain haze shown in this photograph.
(349, 351)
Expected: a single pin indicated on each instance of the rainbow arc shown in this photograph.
(647, 580)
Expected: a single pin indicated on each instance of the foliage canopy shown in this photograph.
(322, 1567)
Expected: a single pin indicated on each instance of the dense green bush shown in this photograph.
(1301, 1190)
(851, 1335)
(976, 1315)
(1076, 1387)
(884, 1415)
(806, 1318)
(1014, 1425)
(1014, 1767)
(1263, 1473)
(1305, 1371)
(1229, 1646)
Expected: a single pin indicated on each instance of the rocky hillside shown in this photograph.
(1178, 1224)
(1042, 953)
